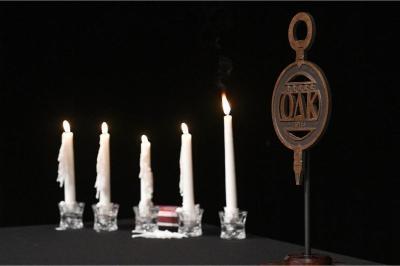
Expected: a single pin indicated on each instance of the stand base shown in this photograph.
(302, 259)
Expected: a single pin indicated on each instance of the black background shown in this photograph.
(147, 67)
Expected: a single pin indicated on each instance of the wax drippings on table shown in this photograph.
(158, 234)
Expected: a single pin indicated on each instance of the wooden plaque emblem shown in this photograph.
(301, 98)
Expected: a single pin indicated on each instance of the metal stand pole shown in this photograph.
(307, 258)
(307, 242)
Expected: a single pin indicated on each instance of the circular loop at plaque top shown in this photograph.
(300, 46)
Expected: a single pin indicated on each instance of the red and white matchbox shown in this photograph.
(167, 216)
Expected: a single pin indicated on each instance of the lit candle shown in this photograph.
(230, 175)
(103, 168)
(146, 178)
(186, 167)
(66, 169)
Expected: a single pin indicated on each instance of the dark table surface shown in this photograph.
(44, 245)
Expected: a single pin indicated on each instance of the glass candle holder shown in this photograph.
(71, 215)
(190, 223)
(146, 223)
(233, 226)
(105, 217)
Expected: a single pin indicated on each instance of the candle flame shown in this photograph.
(66, 126)
(185, 128)
(144, 138)
(104, 128)
(225, 105)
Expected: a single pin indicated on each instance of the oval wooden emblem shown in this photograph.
(301, 97)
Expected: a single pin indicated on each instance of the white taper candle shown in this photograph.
(230, 174)
(186, 177)
(146, 178)
(102, 185)
(66, 167)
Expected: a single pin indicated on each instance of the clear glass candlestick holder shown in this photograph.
(105, 217)
(233, 226)
(190, 223)
(70, 215)
(146, 222)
